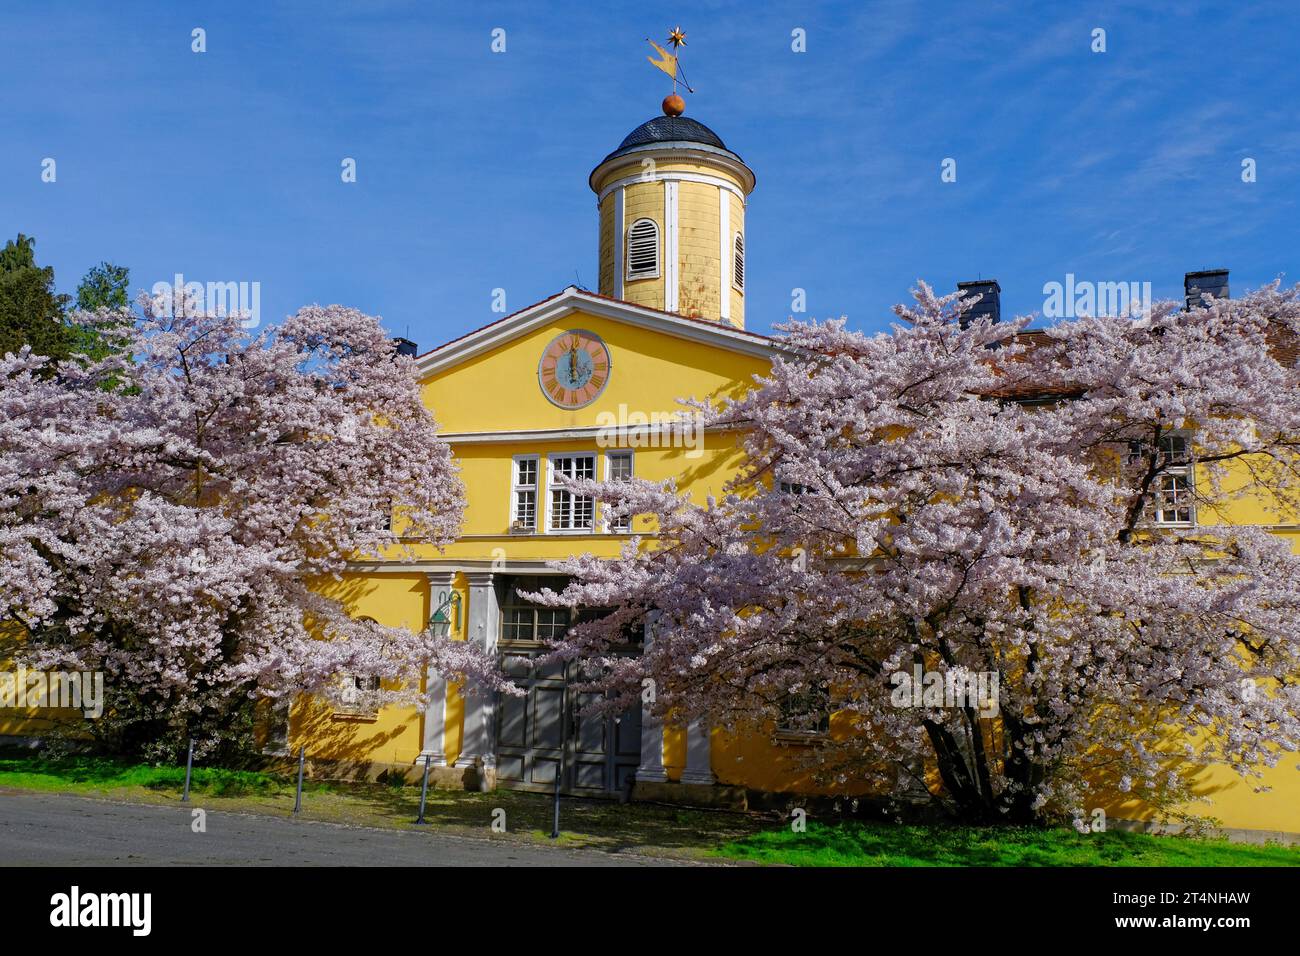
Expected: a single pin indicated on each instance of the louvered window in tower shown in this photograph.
(738, 271)
(643, 250)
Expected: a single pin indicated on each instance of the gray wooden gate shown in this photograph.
(543, 731)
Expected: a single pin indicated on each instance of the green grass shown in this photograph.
(83, 774)
(593, 824)
(858, 844)
(634, 828)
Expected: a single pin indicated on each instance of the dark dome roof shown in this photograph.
(669, 129)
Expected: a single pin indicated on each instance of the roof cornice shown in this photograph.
(723, 159)
(573, 299)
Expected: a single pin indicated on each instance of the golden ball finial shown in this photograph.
(674, 105)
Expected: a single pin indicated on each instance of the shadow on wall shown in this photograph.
(384, 744)
(1203, 783)
(730, 457)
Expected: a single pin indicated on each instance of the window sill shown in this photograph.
(806, 738)
(360, 717)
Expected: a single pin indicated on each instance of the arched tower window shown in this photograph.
(643, 250)
(738, 258)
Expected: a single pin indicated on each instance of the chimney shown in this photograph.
(1197, 284)
(990, 304)
(404, 346)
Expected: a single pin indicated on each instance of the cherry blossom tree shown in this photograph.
(169, 514)
(981, 546)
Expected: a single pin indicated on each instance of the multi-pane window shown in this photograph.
(523, 495)
(1173, 490)
(526, 623)
(618, 467)
(807, 713)
(357, 695)
(570, 511)
(276, 726)
(381, 520)
(1174, 498)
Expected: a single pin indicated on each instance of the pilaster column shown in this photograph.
(725, 253)
(651, 768)
(435, 713)
(699, 756)
(479, 736)
(672, 268)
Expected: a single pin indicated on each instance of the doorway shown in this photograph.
(546, 732)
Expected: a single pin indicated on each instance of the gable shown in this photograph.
(496, 388)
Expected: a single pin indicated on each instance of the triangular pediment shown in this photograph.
(573, 299)
(499, 381)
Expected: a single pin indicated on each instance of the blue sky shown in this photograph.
(472, 166)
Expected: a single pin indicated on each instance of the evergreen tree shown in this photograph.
(104, 286)
(31, 312)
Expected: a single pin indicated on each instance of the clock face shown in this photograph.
(574, 369)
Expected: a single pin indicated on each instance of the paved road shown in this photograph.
(62, 830)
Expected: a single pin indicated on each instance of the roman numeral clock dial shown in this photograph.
(574, 369)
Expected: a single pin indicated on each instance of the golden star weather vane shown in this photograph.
(669, 63)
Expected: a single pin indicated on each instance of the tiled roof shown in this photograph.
(1284, 345)
(669, 129)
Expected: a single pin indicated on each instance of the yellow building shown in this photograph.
(579, 384)
(587, 385)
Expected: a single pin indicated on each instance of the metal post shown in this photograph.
(302, 762)
(189, 769)
(559, 770)
(555, 812)
(424, 791)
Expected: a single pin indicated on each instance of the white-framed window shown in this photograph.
(1174, 498)
(566, 511)
(738, 262)
(381, 520)
(643, 250)
(805, 715)
(276, 726)
(1173, 502)
(358, 696)
(523, 622)
(618, 467)
(523, 493)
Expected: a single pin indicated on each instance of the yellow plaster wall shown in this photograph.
(699, 266)
(643, 201)
(394, 734)
(700, 287)
(649, 372)
(605, 251)
(738, 298)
